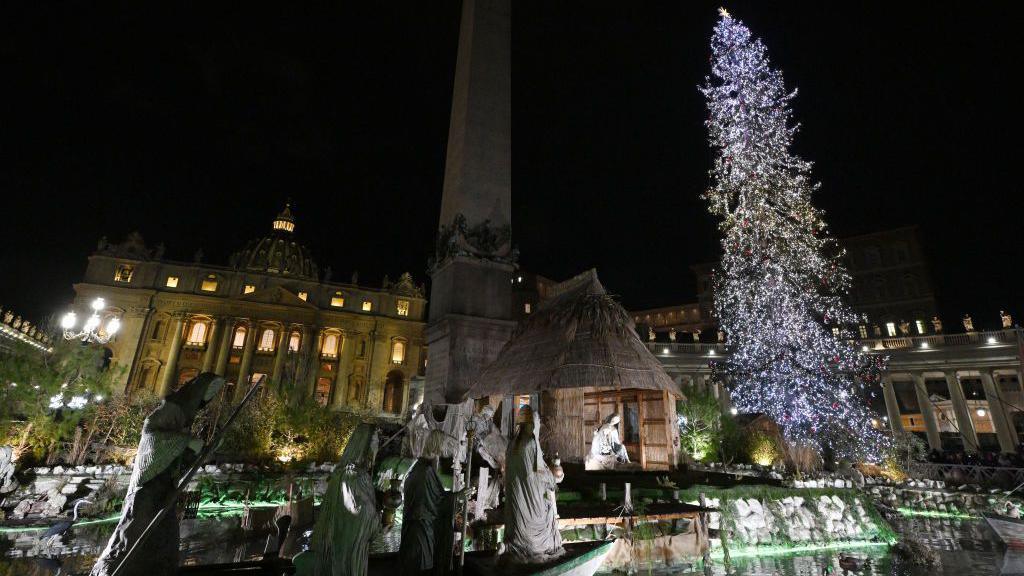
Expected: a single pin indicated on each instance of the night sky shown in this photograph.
(193, 127)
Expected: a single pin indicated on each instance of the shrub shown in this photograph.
(763, 448)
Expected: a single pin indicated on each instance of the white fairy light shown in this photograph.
(77, 402)
(780, 289)
(56, 401)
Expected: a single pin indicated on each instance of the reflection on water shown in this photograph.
(964, 547)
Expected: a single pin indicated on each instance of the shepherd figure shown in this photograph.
(166, 448)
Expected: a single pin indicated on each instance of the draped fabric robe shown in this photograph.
(160, 461)
(348, 517)
(531, 517)
(423, 520)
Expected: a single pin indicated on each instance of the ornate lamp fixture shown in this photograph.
(90, 330)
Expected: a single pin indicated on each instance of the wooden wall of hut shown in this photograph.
(562, 427)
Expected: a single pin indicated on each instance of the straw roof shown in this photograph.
(579, 337)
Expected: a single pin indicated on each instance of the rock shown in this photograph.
(742, 508)
(58, 470)
(755, 507)
(69, 488)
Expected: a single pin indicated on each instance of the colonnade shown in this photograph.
(1000, 410)
(219, 346)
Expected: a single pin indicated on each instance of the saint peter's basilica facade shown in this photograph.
(268, 313)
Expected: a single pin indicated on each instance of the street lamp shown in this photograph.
(89, 332)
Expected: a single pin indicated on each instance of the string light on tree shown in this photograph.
(780, 289)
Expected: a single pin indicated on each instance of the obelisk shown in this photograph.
(471, 277)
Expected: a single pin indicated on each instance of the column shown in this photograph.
(892, 408)
(963, 414)
(341, 383)
(927, 412)
(313, 362)
(171, 362)
(701, 383)
(724, 398)
(216, 327)
(245, 366)
(279, 355)
(997, 411)
(227, 332)
(306, 350)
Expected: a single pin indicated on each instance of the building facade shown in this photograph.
(268, 313)
(890, 285)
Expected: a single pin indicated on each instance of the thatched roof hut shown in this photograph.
(579, 357)
(578, 337)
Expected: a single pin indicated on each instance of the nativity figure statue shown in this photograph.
(166, 449)
(531, 514)
(348, 517)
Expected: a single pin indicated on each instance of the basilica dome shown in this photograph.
(278, 252)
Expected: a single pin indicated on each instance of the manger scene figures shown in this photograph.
(348, 517)
(165, 449)
(531, 512)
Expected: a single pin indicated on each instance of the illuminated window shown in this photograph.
(835, 332)
(338, 300)
(239, 340)
(172, 282)
(863, 331)
(398, 352)
(890, 328)
(330, 346)
(197, 335)
(248, 289)
(403, 307)
(209, 283)
(293, 342)
(367, 306)
(267, 340)
(304, 296)
(920, 326)
(124, 273)
(527, 308)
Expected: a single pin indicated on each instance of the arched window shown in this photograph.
(197, 335)
(398, 352)
(267, 340)
(239, 341)
(293, 342)
(330, 345)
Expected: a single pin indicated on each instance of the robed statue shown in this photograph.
(166, 448)
(531, 514)
(490, 444)
(606, 444)
(348, 517)
(427, 534)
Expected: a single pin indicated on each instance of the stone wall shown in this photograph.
(47, 492)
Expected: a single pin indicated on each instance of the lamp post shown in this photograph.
(90, 329)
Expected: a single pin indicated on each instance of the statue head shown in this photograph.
(613, 419)
(487, 411)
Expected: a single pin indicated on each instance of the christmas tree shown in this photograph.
(779, 292)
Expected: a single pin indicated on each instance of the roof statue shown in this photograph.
(579, 337)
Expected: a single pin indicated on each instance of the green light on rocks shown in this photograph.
(913, 512)
(760, 551)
